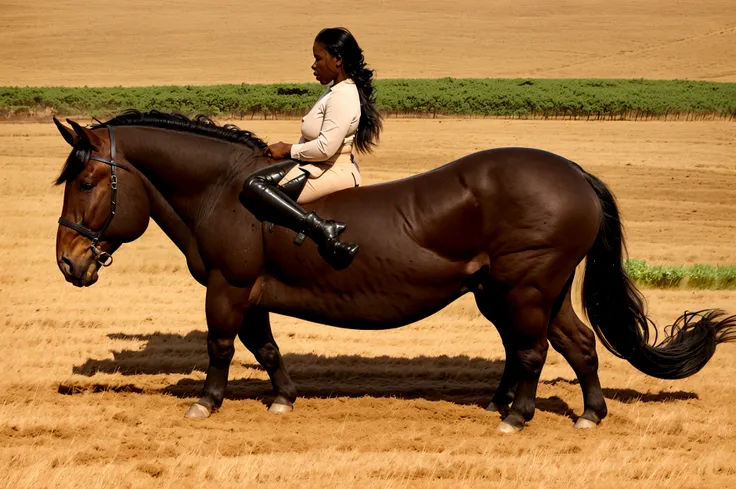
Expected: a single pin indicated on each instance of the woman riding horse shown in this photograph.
(344, 117)
(508, 225)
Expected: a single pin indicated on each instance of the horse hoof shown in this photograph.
(280, 408)
(197, 411)
(584, 424)
(505, 427)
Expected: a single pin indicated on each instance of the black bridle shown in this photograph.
(103, 258)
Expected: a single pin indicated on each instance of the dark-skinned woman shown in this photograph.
(342, 120)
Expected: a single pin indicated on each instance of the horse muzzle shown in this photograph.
(79, 271)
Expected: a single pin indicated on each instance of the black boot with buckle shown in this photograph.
(269, 202)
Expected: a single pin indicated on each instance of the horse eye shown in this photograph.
(86, 186)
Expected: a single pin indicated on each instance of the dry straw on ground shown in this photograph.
(95, 382)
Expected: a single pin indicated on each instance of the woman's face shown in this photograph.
(326, 67)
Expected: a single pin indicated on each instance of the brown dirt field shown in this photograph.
(96, 381)
(189, 42)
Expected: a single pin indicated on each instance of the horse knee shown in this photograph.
(269, 357)
(221, 348)
(532, 361)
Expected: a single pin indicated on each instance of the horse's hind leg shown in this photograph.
(257, 337)
(529, 290)
(521, 316)
(506, 390)
(527, 311)
(576, 342)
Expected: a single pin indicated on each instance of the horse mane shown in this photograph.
(201, 125)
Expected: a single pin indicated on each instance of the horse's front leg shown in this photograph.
(225, 307)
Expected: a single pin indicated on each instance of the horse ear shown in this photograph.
(66, 133)
(85, 134)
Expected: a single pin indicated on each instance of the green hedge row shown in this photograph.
(695, 276)
(537, 98)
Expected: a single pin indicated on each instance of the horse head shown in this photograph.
(105, 203)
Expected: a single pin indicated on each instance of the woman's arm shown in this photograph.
(280, 150)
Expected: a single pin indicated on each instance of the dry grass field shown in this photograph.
(140, 42)
(95, 382)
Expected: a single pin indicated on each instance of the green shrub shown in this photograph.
(655, 276)
(573, 98)
(726, 277)
(702, 277)
(696, 276)
(635, 269)
(664, 276)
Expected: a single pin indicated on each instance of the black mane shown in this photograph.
(201, 125)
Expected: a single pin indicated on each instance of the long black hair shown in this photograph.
(338, 41)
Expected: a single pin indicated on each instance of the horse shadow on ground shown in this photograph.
(631, 396)
(461, 380)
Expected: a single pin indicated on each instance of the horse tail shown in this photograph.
(616, 309)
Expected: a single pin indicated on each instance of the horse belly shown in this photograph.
(379, 300)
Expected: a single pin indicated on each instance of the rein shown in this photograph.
(103, 258)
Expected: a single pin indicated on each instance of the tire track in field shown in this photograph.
(726, 30)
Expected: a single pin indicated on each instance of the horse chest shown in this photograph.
(237, 255)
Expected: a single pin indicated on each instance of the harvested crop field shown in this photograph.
(189, 42)
(97, 380)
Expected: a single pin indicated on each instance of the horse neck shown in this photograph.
(183, 173)
(181, 163)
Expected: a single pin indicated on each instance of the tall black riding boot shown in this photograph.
(262, 196)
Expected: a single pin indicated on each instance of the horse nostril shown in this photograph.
(68, 264)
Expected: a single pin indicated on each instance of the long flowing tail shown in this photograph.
(616, 309)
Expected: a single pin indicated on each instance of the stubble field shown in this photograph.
(96, 381)
(229, 41)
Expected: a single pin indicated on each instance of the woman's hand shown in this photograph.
(278, 151)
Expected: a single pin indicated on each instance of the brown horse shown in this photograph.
(509, 225)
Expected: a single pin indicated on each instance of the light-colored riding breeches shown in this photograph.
(339, 176)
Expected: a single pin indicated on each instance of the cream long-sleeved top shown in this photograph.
(328, 130)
